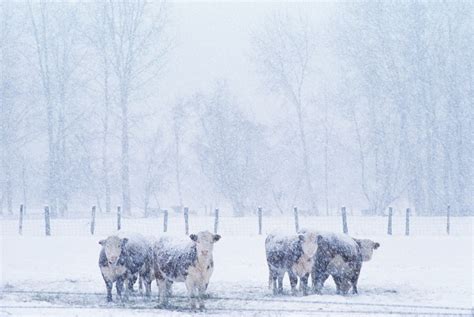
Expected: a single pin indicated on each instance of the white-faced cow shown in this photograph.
(340, 256)
(122, 258)
(293, 254)
(190, 262)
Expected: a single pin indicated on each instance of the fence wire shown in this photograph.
(33, 224)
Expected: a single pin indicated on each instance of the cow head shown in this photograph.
(367, 248)
(113, 246)
(204, 242)
(308, 240)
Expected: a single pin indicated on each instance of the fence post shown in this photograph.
(390, 214)
(20, 224)
(344, 220)
(216, 220)
(93, 220)
(407, 222)
(448, 220)
(186, 220)
(260, 220)
(297, 225)
(165, 220)
(119, 218)
(47, 221)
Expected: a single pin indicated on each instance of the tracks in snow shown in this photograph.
(52, 300)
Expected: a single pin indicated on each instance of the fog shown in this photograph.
(235, 105)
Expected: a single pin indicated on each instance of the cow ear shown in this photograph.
(301, 237)
(193, 237)
(376, 245)
(102, 242)
(216, 237)
(359, 243)
(124, 241)
(319, 239)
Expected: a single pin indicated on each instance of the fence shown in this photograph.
(40, 224)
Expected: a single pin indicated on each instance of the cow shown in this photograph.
(122, 258)
(340, 256)
(293, 254)
(190, 262)
(341, 271)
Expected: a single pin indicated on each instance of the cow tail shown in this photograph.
(270, 280)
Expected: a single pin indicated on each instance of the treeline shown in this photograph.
(374, 108)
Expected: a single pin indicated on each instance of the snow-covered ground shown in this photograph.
(59, 276)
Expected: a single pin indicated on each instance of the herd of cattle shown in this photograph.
(124, 258)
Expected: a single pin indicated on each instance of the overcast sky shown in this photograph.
(212, 41)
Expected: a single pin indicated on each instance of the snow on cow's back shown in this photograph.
(131, 236)
(276, 239)
(173, 244)
(341, 240)
(135, 240)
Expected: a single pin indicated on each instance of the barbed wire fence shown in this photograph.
(403, 223)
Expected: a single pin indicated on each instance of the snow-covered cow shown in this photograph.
(293, 254)
(340, 256)
(190, 262)
(122, 258)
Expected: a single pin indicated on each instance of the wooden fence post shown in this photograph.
(344, 220)
(448, 220)
(259, 220)
(186, 220)
(47, 221)
(93, 220)
(216, 220)
(20, 224)
(390, 214)
(119, 218)
(297, 225)
(165, 220)
(407, 222)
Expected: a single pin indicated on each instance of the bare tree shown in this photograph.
(179, 114)
(136, 50)
(228, 147)
(155, 170)
(404, 61)
(55, 35)
(284, 50)
(100, 41)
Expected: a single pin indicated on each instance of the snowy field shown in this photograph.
(59, 276)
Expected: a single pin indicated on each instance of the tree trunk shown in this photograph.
(306, 165)
(105, 161)
(125, 156)
(178, 167)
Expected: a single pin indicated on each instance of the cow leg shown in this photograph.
(353, 281)
(201, 291)
(108, 285)
(319, 273)
(140, 284)
(131, 281)
(293, 281)
(354, 277)
(280, 282)
(162, 294)
(272, 281)
(147, 286)
(304, 284)
(191, 288)
(119, 287)
(337, 281)
(169, 288)
(128, 285)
